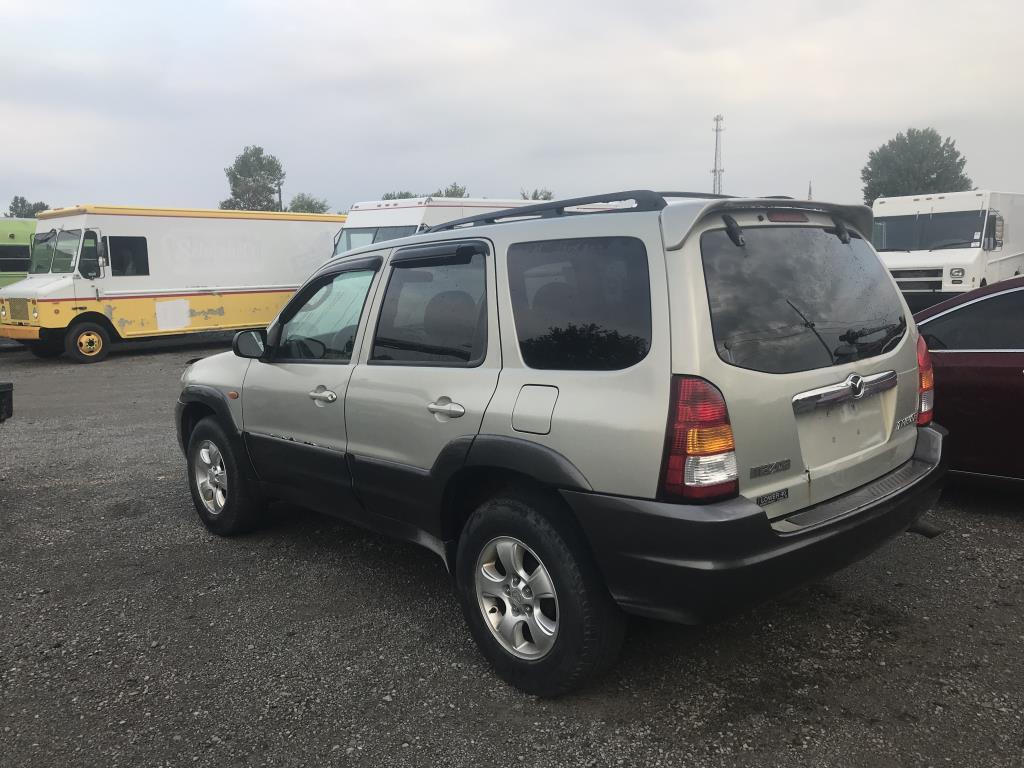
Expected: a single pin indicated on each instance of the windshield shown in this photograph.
(55, 252)
(42, 252)
(929, 231)
(797, 298)
(356, 237)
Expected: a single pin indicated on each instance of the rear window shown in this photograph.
(581, 304)
(796, 298)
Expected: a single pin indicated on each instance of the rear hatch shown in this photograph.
(813, 349)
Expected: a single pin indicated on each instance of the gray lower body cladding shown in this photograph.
(694, 564)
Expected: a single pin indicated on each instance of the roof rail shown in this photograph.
(645, 200)
(697, 195)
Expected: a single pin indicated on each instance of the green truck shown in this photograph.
(15, 249)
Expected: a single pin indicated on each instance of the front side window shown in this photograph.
(581, 304)
(89, 260)
(434, 314)
(995, 323)
(324, 327)
(798, 298)
(128, 256)
(65, 250)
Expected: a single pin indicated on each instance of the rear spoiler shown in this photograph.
(679, 219)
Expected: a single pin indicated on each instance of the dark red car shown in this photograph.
(977, 349)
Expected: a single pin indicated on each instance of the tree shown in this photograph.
(21, 208)
(537, 194)
(917, 162)
(255, 179)
(452, 190)
(303, 203)
(398, 195)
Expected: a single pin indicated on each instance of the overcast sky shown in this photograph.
(146, 102)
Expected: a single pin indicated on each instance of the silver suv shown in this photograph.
(673, 407)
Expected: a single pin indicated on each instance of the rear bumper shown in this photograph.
(698, 563)
(19, 332)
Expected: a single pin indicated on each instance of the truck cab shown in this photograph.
(940, 245)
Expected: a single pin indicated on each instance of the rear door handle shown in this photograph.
(323, 396)
(445, 407)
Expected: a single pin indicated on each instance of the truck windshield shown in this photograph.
(356, 237)
(55, 252)
(929, 231)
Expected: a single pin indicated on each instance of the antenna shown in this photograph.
(810, 191)
(718, 170)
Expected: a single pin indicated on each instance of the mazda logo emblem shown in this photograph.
(856, 385)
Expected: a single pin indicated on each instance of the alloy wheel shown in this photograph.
(517, 598)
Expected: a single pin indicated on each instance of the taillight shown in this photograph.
(700, 456)
(926, 383)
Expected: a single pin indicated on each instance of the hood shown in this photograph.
(35, 286)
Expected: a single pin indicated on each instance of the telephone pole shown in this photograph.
(718, 170)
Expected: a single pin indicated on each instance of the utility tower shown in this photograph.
(718, 170)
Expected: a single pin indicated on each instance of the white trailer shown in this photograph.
(939, 245)
(103, 273)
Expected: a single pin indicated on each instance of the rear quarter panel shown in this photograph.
(609, 424)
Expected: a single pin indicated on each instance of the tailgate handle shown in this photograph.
(854, 387)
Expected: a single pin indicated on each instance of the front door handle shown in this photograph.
(445, 407)
(323, 396)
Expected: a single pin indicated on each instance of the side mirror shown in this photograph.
(250, 344)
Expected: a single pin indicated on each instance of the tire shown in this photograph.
(45, 350)
(87, 343)
(233, 507)
(564, 642)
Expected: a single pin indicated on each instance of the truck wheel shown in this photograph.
(533, 598)
(45, 349)
(223, 498)
(87, 343)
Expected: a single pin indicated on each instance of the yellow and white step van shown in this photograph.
(103, 273)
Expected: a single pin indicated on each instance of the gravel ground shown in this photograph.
(130, 636)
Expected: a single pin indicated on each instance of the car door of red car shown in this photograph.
(978, 353)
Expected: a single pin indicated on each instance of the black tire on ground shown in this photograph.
(87, 343)
(590, 626)
(45, 349)
(243, 508)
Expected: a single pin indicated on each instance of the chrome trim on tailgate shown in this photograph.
(853, 388)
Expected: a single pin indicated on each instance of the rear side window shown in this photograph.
(129, 256)
(581, 304)
(796, 298)
(433, 315)
(990, 324)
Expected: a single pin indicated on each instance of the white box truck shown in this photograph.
(939, 245)
(102, 273)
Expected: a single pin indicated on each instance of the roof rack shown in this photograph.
(644, 199)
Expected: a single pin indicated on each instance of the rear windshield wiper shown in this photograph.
(854, 335)
(810, 325)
